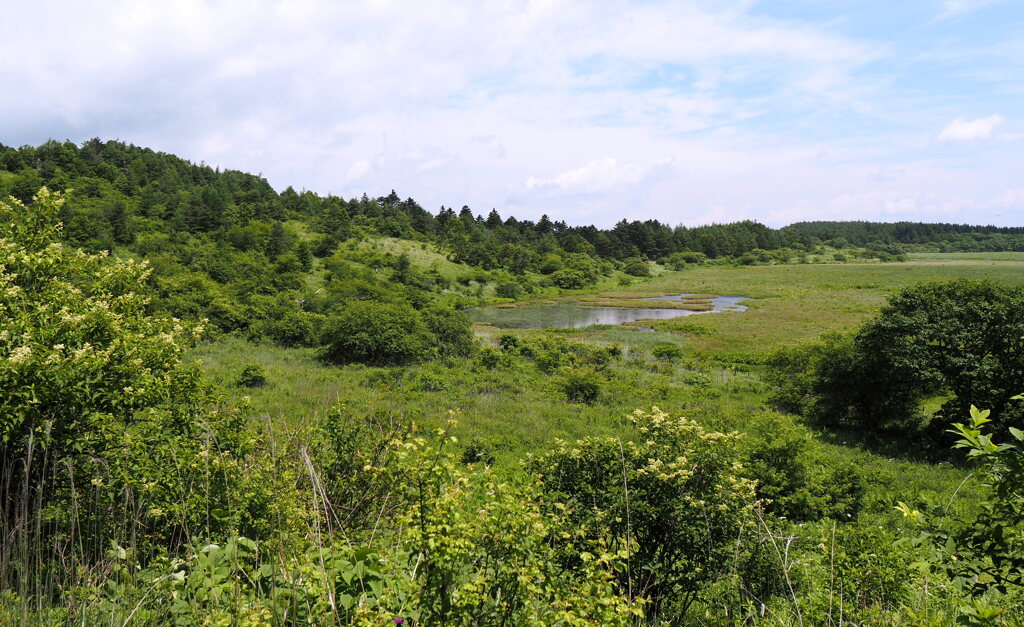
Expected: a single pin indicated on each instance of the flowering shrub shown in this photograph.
(105, 432)
(673, 499)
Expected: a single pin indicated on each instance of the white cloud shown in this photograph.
(359, 169)
(599, 176)
(954, 8)
(968, 130)
(1011, 199)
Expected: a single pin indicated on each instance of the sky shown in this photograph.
(688, 112)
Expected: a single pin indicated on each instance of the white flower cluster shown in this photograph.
(20, 354)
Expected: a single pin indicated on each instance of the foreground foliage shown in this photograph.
(675, 499)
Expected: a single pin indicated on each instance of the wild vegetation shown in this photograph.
(266, 408)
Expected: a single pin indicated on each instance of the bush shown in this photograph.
(453, 330)
(964, 337)
(667, 352)
(105, 425)
(673, 500)
(550, 264)
(491, 358)
(290, 328)
(984, 555)
(429, 381)
(635, 266)
(581, 386)
(378, 334)
(798, 485)
(508, 290)
(478, 451)
(570, 279)
(508, 342)
(252, 376)
(679, 260)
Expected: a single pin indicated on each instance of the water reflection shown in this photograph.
(567, 315)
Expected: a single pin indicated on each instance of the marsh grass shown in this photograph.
(520, 410)
(792, 304)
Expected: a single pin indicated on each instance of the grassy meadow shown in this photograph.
(515, 408)
(791, 304)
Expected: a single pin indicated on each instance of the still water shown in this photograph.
(568, 315)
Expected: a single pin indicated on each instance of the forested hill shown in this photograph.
(938, 236)
(122, 190)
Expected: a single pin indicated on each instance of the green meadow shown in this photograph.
(517, 409)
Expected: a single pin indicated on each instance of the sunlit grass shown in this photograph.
(792, 304)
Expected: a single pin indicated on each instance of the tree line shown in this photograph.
(122, 189)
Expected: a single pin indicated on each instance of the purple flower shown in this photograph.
(399, 621)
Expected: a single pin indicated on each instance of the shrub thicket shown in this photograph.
(107, 434)
(961, 339)
(635, 266)
(674, 500)
(453, 330)
(378, 333)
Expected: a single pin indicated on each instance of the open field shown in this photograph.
(1012, 257)
(517, 409)
(792, 304)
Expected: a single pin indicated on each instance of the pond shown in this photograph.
(569, 315)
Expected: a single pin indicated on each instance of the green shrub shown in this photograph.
(570, 279)
(111, 433)
(550, 264)
(635, 266)
(508, 342)
(429, 381)
(698, 380)
(668, 352)
(796, 484)
(252, 376)
(478, 451)
(868, 576)
(490, 358)
(964, 337)
(673, 500)
(984, 555)
(453, 330)
(356, 455)
(510, 289)
(581, 386)
(679, 260)
(291, 328)
(692, 329)
(379, 334)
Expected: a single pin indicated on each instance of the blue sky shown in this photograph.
(591, 110)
